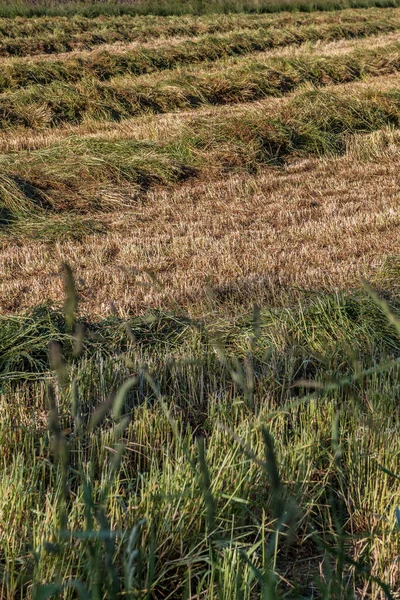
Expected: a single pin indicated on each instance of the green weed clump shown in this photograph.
(202, 459)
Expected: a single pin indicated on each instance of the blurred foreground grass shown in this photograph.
(167, 458)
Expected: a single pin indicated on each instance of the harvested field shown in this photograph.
(223, 82)
(48, 35)
(245, 239)
(199, 300)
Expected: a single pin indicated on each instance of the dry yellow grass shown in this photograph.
(316, 225)
(164, 127)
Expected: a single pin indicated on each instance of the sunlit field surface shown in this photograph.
(199, 300)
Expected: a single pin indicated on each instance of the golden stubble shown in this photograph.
(318, 224)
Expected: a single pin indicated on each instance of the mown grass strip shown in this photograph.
(31, 8)
(248, 80)
(104, 65)
(65, 35)
(61, 34)
(84, 173)
(149, 26)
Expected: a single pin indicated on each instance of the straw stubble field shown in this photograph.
(199, 396)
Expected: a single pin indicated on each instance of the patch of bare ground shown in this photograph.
(318, 224)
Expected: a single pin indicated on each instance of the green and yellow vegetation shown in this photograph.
(54, 35)
(199, 300)
(32, 8)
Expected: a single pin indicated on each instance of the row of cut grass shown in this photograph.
(146, 59)
(144, 27)
(94, 8)
(211, 519)
(82, 173)
(247, 80)
(24, 37)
